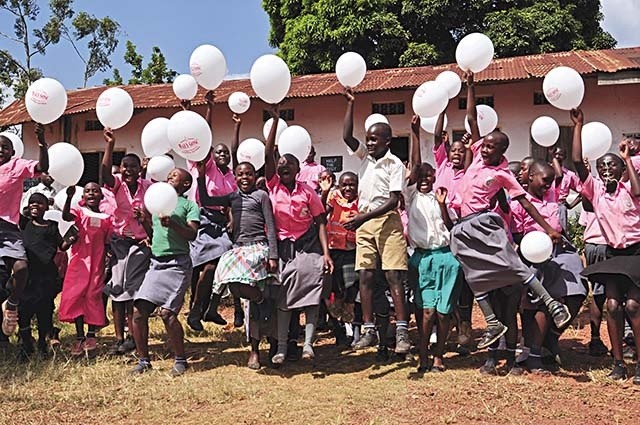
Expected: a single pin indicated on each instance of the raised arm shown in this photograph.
(347, 132)
(441, 197)
(43, 153)
(415, 158)
(205, 199)
(472, 113)
(270, 146)
(625, 153)
(210, 97)
(438, 138)
(576, 153)
(558, 170)
(66, 211)
(107, 158)
(235, 140)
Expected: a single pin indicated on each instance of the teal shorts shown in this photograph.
(439, 280)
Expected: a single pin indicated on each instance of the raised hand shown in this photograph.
(577, 116)
(625, 150)
(348, 93)
(107, 133)
(415, 124)
(441, 195)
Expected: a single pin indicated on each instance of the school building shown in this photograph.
(512, 86)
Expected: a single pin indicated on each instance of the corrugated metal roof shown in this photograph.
(500, 70)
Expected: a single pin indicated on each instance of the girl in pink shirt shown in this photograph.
(479, 240)
(566, 181)
(302, 244)
(616, 205)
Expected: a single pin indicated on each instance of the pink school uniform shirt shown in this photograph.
(124, 222)
(293, 211)
(12, 176)
(570, 181)
(217, 182)
(446, 176)
(309, 173)
(635, 160)
(481, 183)
(592, 232)
(523, 223)
(618, 213)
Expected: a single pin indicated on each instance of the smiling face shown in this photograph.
(493, 148)
(221, 156)
(92, 195)
(6, 149)
(37, 206)
(560, 154)
(180, 179)
(456, 155)
(610, 169)
(378, 140)
(288, 168)
(130, 169)
(525, 165)
(426, 178)
(541, 178)
(348, 186)
(245, 177)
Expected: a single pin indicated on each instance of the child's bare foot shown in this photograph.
(254, 361)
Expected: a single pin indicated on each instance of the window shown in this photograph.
(285, 114)
(480, 100)
(92, 164)
(394, 108)
(540, 99)
(564, 141)
(400, 148)
(93, 125)
(456, 135)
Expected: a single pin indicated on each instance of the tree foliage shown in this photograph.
(312, 34)
(156, 71)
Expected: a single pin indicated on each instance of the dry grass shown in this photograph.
(341, 388)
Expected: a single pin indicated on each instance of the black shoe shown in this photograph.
(194, 317)
(213, 316)
(114, 350)
(179, 368)
(619, 372)
(43, 349)
(293, 351)
(489, 368)
(403, 343)
(238, 319)
(636, 377)
(514, 369)
(127, 346)
(382, 356)
(560, 314)
(491, 335)
(140, 368)
(597, 348)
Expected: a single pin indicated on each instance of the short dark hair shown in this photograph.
(247, 163)
(133, 156)
(539, 166)
(291, 158)
(38, 196)
(386, 129)
(349, 174)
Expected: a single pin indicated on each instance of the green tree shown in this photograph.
(311, 35)
(156, 71)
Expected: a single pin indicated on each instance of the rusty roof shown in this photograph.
(500, 70)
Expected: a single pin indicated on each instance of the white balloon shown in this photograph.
(430, 99)
(451, 82)
(185, 87)
(159, 168)
(61, 198)
(63, 226)
(239, 102)
(596, 140)
(189, 135)
(474, 52)
(351, 69)
(208, 66)
(114, 108)
(154, 138)
(266, 128)
(374, 119)
(46, 100)
(270, 78)
(251, 150)
(16, 141)
(428, 124)
(545, 131)
(563, 87)
(296, 141)
(66, 164)
(536, 247)
(161, 199)
(487, 120)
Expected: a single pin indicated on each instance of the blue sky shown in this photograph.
(238, 27)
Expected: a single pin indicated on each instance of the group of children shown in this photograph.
(289, 240)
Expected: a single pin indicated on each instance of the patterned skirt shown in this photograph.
(243, 264)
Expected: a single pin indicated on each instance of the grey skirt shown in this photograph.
(11, 245)
(301, 272)
(212, 239)
(488, 260)
(563, 216)
(166, 282)
(594, 253)
(130, 263)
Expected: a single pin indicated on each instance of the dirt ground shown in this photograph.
(340, 387)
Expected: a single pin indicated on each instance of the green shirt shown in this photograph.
(167, 241)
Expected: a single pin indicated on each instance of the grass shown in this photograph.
(340, 388)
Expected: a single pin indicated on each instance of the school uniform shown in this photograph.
(595, 245)
(438, 270)
(570, 182)
(12, 176)
(342, 242)
(446, 175)
(380, 241)
(169, 275)
(310, 174)
(131, 255)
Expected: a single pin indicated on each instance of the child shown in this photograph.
(616, 205)
(129, 243)
(45, 187)
(41, 240)
(523, 176)
(13, 172)
(302, 244)
(432, 263)
(212, 240)
(560, 275)
(342, 206)
(310, 171)
(566, 180)
(515, 167)
(479, 240)
(169, 276)
(249, 267)
(379, 232)
(81, 301)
